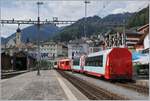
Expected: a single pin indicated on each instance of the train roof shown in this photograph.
(65, 60)
(103, 52)
(99, 53)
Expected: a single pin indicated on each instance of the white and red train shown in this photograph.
(115, 63)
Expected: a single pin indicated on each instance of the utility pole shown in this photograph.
(124, 31)
(38, 42)
(85, 19)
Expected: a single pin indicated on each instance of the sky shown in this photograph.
(64, 10)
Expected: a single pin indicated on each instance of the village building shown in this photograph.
(143, 43)
(113, 40)
(94, 45)
(132, 39)
(51, 50)
(76, 48)
(128, 39)
(11, 43)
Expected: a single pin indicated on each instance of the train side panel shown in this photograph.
(93, 70)
(76, 68)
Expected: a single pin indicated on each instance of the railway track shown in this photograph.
(92, 91)
(132, 86)
(12, 74)
(128, 85)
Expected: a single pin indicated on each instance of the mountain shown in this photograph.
(94, 25)
(31, 33)
(139, 18)
(2, 40)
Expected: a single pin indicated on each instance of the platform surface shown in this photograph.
(49, 86)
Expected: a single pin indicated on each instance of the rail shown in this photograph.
(12, 74)
(90, 90)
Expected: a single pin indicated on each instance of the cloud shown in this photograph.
(64, 10)
(129, 6)
(7, 30)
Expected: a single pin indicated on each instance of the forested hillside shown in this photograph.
(139, 18)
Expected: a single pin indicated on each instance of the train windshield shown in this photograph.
(67, 62)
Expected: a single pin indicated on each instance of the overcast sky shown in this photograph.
(64, 10)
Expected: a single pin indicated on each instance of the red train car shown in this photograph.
(64, 64)
(119, 64)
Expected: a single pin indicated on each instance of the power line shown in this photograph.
(36, 22)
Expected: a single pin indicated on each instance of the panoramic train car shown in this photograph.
(64, 64)
(114, 63)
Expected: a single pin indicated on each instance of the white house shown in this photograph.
(76, 48)
(52, 50)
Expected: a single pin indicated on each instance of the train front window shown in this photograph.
(67, 62)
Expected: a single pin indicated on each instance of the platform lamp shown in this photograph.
(38, 27)
(86, 2)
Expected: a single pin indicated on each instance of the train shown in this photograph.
(64, 64)
(111, 64)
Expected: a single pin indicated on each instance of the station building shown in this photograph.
(143, 43)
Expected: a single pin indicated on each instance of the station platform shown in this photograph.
(48, 86)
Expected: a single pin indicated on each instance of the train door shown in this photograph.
(82, 62)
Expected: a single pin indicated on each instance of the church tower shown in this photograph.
(18, 38)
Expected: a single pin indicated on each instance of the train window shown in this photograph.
(76, 62)
(67, 62)
(94, 61)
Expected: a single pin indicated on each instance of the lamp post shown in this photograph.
(85, 19)
(124, 32)
(38, 28)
